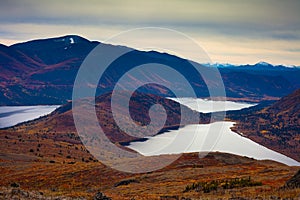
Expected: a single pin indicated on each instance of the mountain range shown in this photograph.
(43, 72)
(46, 155)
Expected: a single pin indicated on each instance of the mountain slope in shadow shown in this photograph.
(43, 72)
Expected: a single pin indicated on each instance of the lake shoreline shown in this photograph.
(14, 115)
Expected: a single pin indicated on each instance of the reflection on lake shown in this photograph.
(206, 106)
(208, 137)
(196, 138)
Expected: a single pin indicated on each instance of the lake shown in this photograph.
(174, 142)
(191, 138)
(196, 137)
(12, 115)
(207, 106)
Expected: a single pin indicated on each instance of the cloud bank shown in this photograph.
(234, 31)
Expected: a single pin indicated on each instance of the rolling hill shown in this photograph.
(276, 126)
(59, 125)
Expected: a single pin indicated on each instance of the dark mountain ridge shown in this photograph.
(55, 50)
(43, 72)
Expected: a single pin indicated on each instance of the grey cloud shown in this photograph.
(287, 35)
(255, 20)
(230, 18)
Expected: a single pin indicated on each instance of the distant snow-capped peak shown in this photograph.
(262, 64)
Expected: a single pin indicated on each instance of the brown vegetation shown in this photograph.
(276, 126)
(46, 158)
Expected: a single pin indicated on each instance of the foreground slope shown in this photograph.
(38, 173)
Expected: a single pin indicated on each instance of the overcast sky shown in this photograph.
(232, 31)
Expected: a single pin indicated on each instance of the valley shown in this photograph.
(46, 156)
(251, 152)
